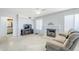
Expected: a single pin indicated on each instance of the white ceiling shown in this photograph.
(28, 12)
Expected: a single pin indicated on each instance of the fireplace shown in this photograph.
(51, 32)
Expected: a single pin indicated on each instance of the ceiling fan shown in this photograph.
(39, 10)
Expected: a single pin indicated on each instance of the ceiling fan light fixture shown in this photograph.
(38, 12)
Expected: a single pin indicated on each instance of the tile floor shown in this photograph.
(25, 43)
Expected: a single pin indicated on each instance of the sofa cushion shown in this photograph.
(71, 32)
(72, 37)
(60, 39)
(54, 43)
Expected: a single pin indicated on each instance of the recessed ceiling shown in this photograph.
(29, 12)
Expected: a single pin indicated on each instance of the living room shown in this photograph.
(35, 29)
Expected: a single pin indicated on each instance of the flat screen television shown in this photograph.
(26, 26)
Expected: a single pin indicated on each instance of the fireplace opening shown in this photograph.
(51, 32)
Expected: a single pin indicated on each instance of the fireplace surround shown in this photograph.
(51, 32)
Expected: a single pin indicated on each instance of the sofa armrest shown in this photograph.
(63, 34)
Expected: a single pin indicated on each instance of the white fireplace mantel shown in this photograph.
(59, 28)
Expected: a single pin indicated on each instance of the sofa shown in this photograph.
(63, 42)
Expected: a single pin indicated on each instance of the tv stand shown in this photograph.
(26, 31)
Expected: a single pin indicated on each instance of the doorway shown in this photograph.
(9, 26)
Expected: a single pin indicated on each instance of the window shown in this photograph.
(76, 22)
(39, 24)
(68, 22)
(71, 22)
